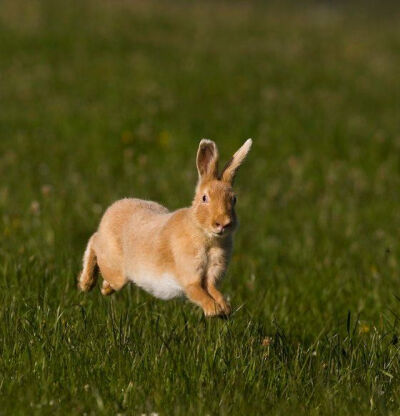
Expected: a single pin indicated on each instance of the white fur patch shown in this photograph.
(162, 287)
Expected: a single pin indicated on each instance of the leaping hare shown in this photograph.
(171, 253)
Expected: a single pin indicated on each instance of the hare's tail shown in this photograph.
(87, 278)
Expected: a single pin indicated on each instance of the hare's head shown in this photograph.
(214, 201)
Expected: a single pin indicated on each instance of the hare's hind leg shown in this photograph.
(87, 278)
(114, 278)
(106, 288)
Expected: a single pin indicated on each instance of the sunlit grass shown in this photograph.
(102, 100)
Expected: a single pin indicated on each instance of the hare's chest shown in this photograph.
(162, 286)
(217, 261)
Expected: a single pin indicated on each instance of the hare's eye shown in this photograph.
(205, 199)
(234, 200)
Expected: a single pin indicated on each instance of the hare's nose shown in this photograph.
(221, 227)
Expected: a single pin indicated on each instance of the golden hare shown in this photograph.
(169, 254)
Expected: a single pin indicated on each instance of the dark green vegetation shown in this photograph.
(101, 100)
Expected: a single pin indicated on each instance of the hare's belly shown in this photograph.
(163, 286)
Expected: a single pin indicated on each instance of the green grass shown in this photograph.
(105, 99)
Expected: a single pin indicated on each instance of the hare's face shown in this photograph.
(214, 206)
(215, 200)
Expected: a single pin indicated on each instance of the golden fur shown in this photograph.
(171, 253)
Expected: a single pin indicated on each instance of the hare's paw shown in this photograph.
(225, 307)
(106, 289)
(212, 308)
(85, 283)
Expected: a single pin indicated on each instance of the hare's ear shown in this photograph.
(207, 159)
(230, 169)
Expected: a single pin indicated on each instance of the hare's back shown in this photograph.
(144, 206)
(120, 214)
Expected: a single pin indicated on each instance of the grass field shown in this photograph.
(105, 99)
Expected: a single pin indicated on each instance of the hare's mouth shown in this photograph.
(220, 233)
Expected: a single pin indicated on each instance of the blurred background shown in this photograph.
(101, 100)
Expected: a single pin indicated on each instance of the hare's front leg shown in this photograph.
(218, 262)
(219, 298)
(198, 295)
